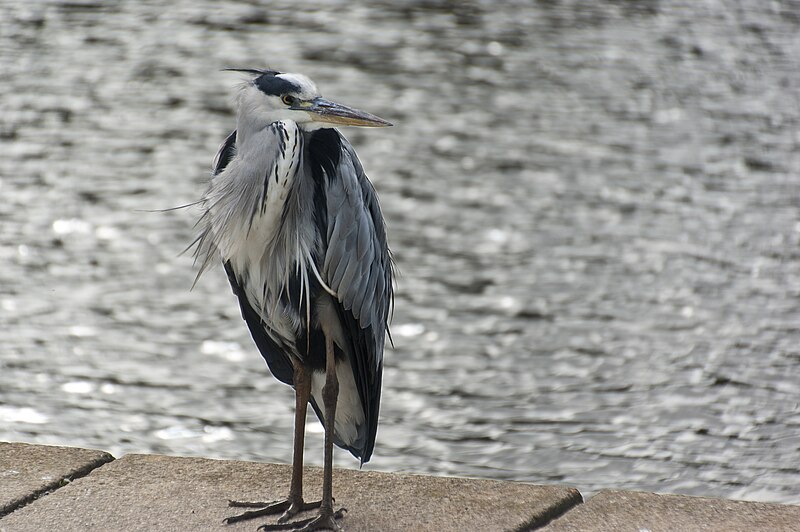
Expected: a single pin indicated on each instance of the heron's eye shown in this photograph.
(288, 99)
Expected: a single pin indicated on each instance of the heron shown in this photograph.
(297, 225)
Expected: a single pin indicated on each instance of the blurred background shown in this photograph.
(593, 207)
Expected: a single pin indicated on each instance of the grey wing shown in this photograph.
(358, 265)
(358, 268)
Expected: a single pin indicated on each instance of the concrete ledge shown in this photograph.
(612, 511)
(150, 492)
(29, 471)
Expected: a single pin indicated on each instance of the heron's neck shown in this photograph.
(249, 127)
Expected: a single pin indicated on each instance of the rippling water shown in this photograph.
(594, 211)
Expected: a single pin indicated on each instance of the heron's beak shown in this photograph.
(336, 113)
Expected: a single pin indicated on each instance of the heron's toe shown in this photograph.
(297, 507)
(325, 521)
(261, 509)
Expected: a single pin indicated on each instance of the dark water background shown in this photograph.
(594, 208)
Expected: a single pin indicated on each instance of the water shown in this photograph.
(594, 211)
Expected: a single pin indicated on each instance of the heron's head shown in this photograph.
(273, 95)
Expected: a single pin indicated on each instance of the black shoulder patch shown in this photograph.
(325, 147)
(226, 153)
(273, 85)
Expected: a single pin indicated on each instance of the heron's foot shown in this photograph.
(288, 507)
(326, 520)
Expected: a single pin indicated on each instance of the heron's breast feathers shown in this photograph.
(255, 220)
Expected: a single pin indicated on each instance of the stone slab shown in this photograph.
(29, 471)
(619, 511)
(150, 492)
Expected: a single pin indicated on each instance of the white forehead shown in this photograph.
(308, 89)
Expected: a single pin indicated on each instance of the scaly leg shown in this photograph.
(294, 503)
(330, 393)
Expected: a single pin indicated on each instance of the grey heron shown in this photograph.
(297, 226)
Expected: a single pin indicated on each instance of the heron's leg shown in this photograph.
(330, 393)
(294, 503)
(302, 384)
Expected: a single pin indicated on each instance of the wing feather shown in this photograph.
(358, 267)
(357, 241)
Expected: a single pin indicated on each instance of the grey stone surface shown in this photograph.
(150, 492)
(28, 471)
(620, 511)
